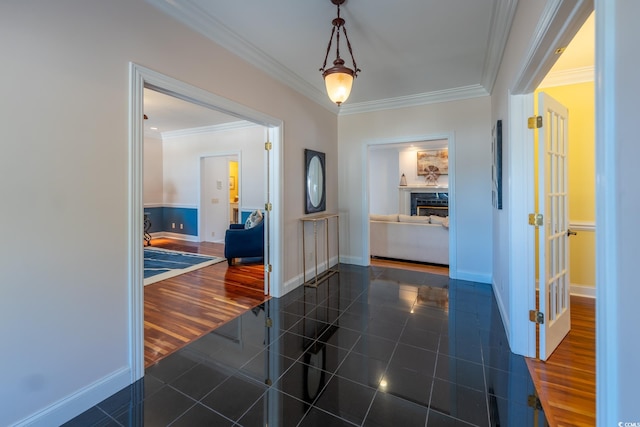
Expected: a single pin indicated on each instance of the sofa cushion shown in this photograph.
(439, 219)
(380, 217)
(254, 219)
(422, 219)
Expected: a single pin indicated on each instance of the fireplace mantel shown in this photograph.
(423, 188)
(406, 191)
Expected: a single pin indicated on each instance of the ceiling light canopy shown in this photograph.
(339, 78)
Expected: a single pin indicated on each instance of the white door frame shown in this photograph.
(366, 256)
(139, 78)
(558, 24)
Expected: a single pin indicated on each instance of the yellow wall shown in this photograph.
(580, 101)
(233, 174)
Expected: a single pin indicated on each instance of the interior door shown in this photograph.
(553, 235)
(215, 198)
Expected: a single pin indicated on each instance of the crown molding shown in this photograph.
(455, 94)
(199, 20)
(501, 20)
(569, 77)
(558, 24)
(243, 124)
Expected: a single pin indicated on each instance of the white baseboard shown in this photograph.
(73, 405)
(583, 291)
(504, 315)
(353, 260)
(176, 236)
(292, 284)
(298, 280)
(470, 276)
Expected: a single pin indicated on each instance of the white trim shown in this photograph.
(504, 314)
(366, 250)
(153, 205)
(135, 226)
(354, 260)
(242, 124)
(140, 78)
(501, 20)
(472, 277)
(179, 206)
(521, 263)
(608, 294)
(76, 403)
(175, 236)
(582, 290)
(455, 94)
(558, 24)
(568, 77)
(196, 18)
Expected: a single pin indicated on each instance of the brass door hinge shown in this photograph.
(268, 146)
(534, 122)
(536, 316)
(268, 322)
(536, 219)
(268, 268)
(268, 207)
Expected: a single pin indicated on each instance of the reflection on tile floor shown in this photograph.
(369, 347)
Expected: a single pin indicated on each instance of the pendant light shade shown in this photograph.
(338, 79)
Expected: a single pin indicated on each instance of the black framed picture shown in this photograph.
(496, 167)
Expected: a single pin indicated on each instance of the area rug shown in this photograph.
(161, 264)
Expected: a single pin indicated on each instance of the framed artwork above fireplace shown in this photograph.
(429, 158)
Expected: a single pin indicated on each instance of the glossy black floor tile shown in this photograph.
(368, 347)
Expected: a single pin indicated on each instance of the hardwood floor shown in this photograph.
(414, 266)
(181, 309)
(566, 382)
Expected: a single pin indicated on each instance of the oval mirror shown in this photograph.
(314, 181)
(315, 176)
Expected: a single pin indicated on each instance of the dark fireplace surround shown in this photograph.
(433, 203)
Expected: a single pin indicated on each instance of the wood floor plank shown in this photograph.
(183, 308)
(566, 382)
(413, 266)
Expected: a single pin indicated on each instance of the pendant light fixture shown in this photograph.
(339, 78)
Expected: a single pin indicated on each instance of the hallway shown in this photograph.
(372, 346)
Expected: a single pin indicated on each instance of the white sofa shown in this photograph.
(412, 238)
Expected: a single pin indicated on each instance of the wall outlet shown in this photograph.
(181, 227)
(173, 225)
(215, 201)
(213, 234)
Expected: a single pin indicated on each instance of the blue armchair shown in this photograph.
(241, 242)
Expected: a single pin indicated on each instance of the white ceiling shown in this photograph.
(411, 52)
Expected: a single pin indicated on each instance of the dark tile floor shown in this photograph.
(369, 347)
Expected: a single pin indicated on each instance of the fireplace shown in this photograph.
(432, 203)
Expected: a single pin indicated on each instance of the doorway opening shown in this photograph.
(142, 78)
(396, 177)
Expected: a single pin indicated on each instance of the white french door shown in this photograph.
(553, 234)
